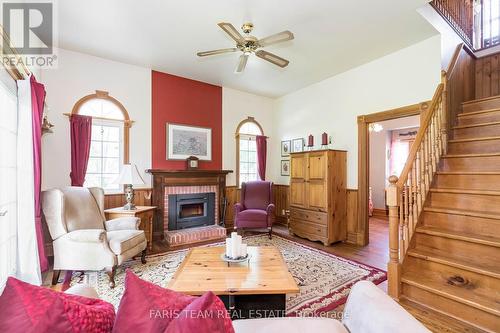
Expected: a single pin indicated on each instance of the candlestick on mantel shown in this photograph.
(310, 141)
(324, 139)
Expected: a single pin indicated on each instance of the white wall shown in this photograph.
(449, 38)
(379, 163)
(237, 106)
(402, 78)
(79, 75)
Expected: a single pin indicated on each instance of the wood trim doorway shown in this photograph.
(364, 121)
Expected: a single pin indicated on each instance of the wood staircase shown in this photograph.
(452, 265)
(444, 210)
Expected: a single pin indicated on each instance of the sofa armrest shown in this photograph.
(370, 310)
(271, 214)
(87, 236)
(123, 223)
(238, 208)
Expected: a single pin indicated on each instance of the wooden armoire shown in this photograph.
(318, 195)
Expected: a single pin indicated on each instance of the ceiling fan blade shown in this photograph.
(231, 31)
(215, 52)
(272, 58)
(276, 38)
(242, 64)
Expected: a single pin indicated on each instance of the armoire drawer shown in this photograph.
(309, 215)
(301, 226)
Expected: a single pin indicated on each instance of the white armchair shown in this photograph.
(82, 239)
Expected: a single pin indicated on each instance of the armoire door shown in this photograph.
(298, 180)
(317, 194)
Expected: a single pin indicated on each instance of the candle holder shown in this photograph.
(230, 260)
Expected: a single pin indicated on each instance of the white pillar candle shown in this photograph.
(243, 250)
(235, 247)
(228, 247)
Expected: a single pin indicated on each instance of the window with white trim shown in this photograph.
(106, 155)
(107, 146)
(247, 150)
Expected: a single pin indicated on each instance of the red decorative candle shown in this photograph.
(324, 139)
(310, 141)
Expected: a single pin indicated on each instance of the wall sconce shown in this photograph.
(46, 124)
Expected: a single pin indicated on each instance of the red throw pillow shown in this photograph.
(28, 308)
(146, 307)
(206, 314)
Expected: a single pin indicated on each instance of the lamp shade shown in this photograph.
(129, 175)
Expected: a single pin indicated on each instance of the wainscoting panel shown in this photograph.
(352, 216)
(142, 198)
(487, 76)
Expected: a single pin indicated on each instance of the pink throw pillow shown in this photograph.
(146, 307)
(206, 314)
(27, 308)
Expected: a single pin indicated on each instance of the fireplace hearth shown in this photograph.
(191, 210)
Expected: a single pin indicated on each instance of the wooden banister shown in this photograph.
(454, 61)
(420, 135)
(406, 195)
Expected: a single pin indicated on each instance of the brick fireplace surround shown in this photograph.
(167, 182)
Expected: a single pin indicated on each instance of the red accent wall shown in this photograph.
(183, 101)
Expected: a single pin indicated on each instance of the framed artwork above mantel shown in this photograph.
(184, 141)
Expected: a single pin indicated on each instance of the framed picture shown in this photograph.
(285, 167)
(298, 145)
(285, 148)
(186, 141)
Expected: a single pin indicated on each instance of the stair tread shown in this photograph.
(470, 155)
(463, 191)
(435, 320)
(468, 172)
(479, 265)
(464, 212)
(486, 138)
(480, 100)
(490, 123)
(459, 235)
(435, 283)
(465, 114)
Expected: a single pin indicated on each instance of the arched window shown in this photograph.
(246, 150)
(109, 143)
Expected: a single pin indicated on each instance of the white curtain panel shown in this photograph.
(8, 176)
(28, 263)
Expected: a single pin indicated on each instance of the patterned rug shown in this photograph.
(324, 279)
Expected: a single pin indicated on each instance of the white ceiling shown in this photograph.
(331, 36)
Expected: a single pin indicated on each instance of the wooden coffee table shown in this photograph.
(251, 289)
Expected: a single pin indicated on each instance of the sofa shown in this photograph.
(368, 310)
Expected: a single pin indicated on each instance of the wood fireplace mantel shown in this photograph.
(163, 178)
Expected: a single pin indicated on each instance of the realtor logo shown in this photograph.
(30, 31)
(30, 27)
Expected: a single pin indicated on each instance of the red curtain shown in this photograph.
(261, 156)
(37, 103)
(81, 131)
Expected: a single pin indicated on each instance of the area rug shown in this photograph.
(324, 279)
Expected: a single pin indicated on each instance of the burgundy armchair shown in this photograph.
(256, 210)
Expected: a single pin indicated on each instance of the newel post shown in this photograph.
(394, 266)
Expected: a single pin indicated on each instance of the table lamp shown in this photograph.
(129, 176)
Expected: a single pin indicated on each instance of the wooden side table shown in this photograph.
(145, 213)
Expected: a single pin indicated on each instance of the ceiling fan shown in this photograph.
(249, 44)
